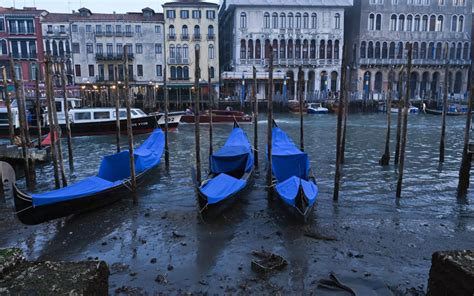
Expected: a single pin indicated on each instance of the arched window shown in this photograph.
(415, 50)
(185, 51)
(391, 50)
(210, 31)
(197, 32)
(178, 52)
(337, 21)
(424, 23)
(401, 23)
(305, 49)
(322, 50)
(282, 20)
(3, 47)
(378, 22)
(363, 50)
(417, 26)
(454, 23)
(370, 50)
(243, 20)
(290, 20)
(377, 50)
(312, 49)
(465, 51)
(173, 73)
(393, 22)
(371, 22)
(211, 51)
(298, 49)
(298, 20)
(55, 48)
(400, 50)
(172, 52)
(305, 20)
(314, 20)
(250, 49)
(211, 72)
(336, 49)
(267, 48)
(186, 72)
(275, 49)
(243, 49)
(431, 50)
(179, 73)
(458, 82)
(258, 49)
(461, 23)
(48, 47)
(409, 25)
(439, 23)
(60, 47)
(329, 50)
(384, 50)
(275, 20)
(282, 48)
(290, 49)
(184, 31)
(266, 20)
(68, 49)
(378, 82)
(172, 33)
(452, 51)
(458, 51)
(432, 23)
(438, 51)
(423, 50)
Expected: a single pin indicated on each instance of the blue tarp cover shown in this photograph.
(287, 159)
(113, 170)
(236, 153)
(221, 187)
(288, 190)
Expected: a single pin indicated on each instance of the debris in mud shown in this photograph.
(161, 279)
(170, 267)
(153, 260)
(268, 262)
(118, 267)
(317, 236)
(204, 283)
(177, 235)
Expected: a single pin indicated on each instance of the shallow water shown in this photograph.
(396, 237)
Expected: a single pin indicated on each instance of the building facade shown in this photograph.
(98, 40)
(304, 33)
(378, 32)
(191, 24)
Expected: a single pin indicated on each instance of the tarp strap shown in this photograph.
(23, 210)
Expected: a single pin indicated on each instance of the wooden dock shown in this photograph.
(13, 154)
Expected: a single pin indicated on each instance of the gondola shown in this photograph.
(294, 183)
(110, 184)
(231, 170)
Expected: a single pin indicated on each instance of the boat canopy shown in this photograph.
(287, 159)
(114, 170)
(288, 190)
(234, 155)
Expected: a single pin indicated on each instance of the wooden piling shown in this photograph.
(301, 97)
(38, 108)
(50, 105)
(403, 142)
(445, 107)
(128, 100)
(465, 169)
(22, 118)
(340, 118)
(399, 117)
(196, 115)
(385, 159)
(255, 117)
(117, 111)
(210, 111)
(66, 117)
(11, 128)
(167, 103)
(344, 121)
(270, 121)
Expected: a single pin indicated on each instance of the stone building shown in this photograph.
(97, 42)
(190, 24)
(378, 32)
(309, 33)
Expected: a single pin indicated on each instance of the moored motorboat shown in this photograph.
(317, 108)
(294, 183)
(453, 110)
(218, 116)
(110, 184)
(294, 106)
(231, 170)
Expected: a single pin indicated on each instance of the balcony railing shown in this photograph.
(128, 34)
(211, 36)
(171, 36)
(293, 62)
(197, 37)
(184, 37)
(25, 56)
(112, 57)
(178, 61)
(431, 62)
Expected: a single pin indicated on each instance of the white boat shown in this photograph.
(317, 108)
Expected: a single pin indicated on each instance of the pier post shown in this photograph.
(128, 99)
(255, 117)
(66, 117)
(22, 117)
(385, 159)
(344, 95)
(399, 116)
(11, 128)
(339, 133)
(49, 104)
(167, 103)
(270, 121)
(196, 113)
(39, 120)
(403, 142)
(117, 110)
(301, 99)
(210, 111)
(445, 107)
(465, 169)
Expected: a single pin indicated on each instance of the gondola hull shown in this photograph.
(440, 112)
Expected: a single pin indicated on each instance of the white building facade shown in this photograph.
(304, 33)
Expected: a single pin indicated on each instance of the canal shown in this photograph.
(161, 245)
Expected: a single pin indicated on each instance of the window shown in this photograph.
(78, 70)
(119, 48)
(108, 29)
(138, 29)
(465, 51)
(98, 28)
(401, 23)
(172, 51)
(337, 21)
(439, 23)
(242, 49)
(210, 14)
(409, 23)
(211, 51)
(432, 23)
(196, 14)
(454, 23)
(266, 20)
(88, 28)
(89, 48)
(185, 51)
(440, 2)
(118, 28)
(298, 20)
(184, 14)
(140, 70)
(243, 20)
(275, 20)
(290, 20)
(460, 23)
(128, 29)
(363, 50)
(416, 27)
(314, 20)
(197, 32)
(210, 31)
(2, 24)
(3, 47)
(110, 49)
(159, 71)
(378, 22)
(158, 29)
(171, 14)
(82, 116)
(75, 48)
(74, 28)
(305, 20)
(171, 31)
(129, 48)
(282, 20)
(50, 29)
(211, 72)
(91, 71)
(99, 48)
(424, 23)
(138, 48)
(393, 22)
(158, 49)
(371, 22)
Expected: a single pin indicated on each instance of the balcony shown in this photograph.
(171, 37)
(184, 37)
(15, 31)
(112, 57)
(99, 78)
(416, 62)
(178, 61)
(99, 33)
(211, 36)
(197, 37)
(25, 56)
(128, 34)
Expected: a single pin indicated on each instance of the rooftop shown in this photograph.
(327, 3)
(85, 14)
(189, 3)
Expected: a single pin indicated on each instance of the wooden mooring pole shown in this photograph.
(167, 106)
(403, 142)
(385, 159)
(117, 110)
(270, 122)
(128, 98)
(255, 117)
(301, 97)
(465, 169)
(345, 99)
(39, 120)
(66, 117)
(399, 116)
(445, 107)
(11, 128)
(210, 110)
(196, 115)
(339, 133)
(50, 105)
